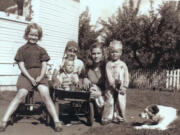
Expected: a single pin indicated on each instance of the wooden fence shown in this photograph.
(155, 79)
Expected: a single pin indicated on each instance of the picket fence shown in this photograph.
(155, 79)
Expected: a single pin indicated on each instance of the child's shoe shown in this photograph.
(3, 125)
(58, 127)
(118, 120)
(105, 121)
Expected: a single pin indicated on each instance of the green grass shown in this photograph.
(137, 100)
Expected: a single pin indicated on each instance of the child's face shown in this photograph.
(33, 36)
(69, 67)
(115, 52)
(96, 55)
(71, 52)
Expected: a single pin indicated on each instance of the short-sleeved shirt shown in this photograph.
(67, 79)
(32, 56)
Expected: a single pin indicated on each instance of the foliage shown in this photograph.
(148, 79)
(149, 41)
(87, 35)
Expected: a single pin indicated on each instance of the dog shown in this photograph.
(162, 117)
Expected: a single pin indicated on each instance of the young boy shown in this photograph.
(117, 83)
(68, 79)
(70, 52)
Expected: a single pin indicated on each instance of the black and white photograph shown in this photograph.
(89, 67)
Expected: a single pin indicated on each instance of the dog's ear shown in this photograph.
(153, 109)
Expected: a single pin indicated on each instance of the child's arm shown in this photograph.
(109, 73)
(25, 72)
(125, 83)
(43, 72)
(76, 79)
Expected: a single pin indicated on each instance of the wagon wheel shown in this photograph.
(46, 116)
(48, 119)
(90, 114)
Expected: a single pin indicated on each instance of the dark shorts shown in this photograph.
(24, 82)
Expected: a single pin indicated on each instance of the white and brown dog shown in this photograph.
(162, 117)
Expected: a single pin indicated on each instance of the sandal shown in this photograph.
(58, 127)
(3, 125)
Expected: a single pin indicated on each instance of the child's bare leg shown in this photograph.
(44, 92)
(122, 105)
(21, 94)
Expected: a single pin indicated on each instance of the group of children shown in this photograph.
(32, 60)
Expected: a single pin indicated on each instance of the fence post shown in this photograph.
(167, 79)
(178, 75)
(174, 79)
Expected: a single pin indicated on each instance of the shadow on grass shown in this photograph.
(137, 100)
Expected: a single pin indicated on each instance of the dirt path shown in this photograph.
(34, 127)
(25, 127)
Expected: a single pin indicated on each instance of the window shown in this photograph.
(17, 7)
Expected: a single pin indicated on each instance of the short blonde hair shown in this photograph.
(33, 26)
(66, 63)
(118, 44)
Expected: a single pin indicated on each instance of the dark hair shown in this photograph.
(97, 45)
(71, 44)
(33, 26)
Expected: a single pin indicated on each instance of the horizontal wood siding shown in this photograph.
(59, 19)
(11, 38)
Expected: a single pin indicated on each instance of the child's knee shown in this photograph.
(22, 93)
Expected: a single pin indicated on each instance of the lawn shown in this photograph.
(137, 100)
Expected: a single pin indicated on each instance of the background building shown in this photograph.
(59, 20)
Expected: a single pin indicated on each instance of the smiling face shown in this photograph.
(96, 55)
(69, 66)
(32, 37)
(115, 50)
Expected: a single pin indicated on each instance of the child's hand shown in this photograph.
(56, 85)
(95, 91)
(122, 90)
(33, 81)
(86, 83)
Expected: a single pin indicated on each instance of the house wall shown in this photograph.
(59, 20)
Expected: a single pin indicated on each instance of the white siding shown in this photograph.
(59, 20)
(11, 38)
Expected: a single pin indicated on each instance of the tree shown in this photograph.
(87, 35)
(149, 41)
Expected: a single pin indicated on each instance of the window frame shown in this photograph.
(22, 19)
